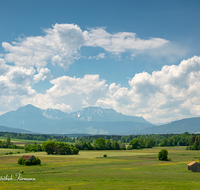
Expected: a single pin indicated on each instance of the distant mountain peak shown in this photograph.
(92, 120)
(28, 107)
(54, 113)
(104, 115)
(98, 110)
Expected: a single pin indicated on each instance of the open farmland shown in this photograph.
(21, 142)
(128, 169)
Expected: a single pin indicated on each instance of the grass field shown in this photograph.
(123, 169)
(21, 142)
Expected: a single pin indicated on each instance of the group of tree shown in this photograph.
(138, 143)
(160, 139)
(8, 144)
(100, 144)
(33, 147)
(26, 162)
(105, 142)
(38, 137)
(53, 147)
(194, 143)
(177, 140)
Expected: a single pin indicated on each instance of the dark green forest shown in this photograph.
(111, 141)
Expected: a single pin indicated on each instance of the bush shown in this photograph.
(75, 150)
(105, 155)
(122, 146)
(22, 161)
(129, 147)
(162, 155)
(53, 147)
(27, 163)
(135, 143)
(37, 161)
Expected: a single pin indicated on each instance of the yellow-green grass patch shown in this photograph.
(129, 169)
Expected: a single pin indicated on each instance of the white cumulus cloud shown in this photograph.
(43, 73)
(60, 45)
(169, 94)
(71, 92)
(100, 56)
(16, 81)
(120, 42)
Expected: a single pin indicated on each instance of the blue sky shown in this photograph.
(137, 57)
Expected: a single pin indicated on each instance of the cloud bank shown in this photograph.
(165, 95)
(169, 94)
(60, 45)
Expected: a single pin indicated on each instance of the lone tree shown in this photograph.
(8, 141)
(162, 155)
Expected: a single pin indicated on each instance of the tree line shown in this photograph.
(100, 144)
(159, 139)
(38, 137)
(8, 144)
(106, 142)
(194, 143)
(52, 147)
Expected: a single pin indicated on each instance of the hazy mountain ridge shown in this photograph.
(14, 130)
(54, 113)
(92, 120)
(191, 125)
(103, 115)
(95, 127)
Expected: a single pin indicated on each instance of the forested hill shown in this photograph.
(192, 125)
(16, 130)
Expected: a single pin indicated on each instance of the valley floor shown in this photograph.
(128, 169)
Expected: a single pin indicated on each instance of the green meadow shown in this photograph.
(121, 169)
(21, 141)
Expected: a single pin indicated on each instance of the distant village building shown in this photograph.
(194, 167)
(28, 157)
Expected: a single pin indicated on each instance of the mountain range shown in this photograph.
(90, 120)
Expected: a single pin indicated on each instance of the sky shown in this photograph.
(140, 58)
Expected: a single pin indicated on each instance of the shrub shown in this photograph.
(135, 143)
(27, 162)
(22, 161)
(122, 146)
(162, 155)
(37, 161)
(129, 147)
(53, 147)
(75, 150)
(105, 155)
